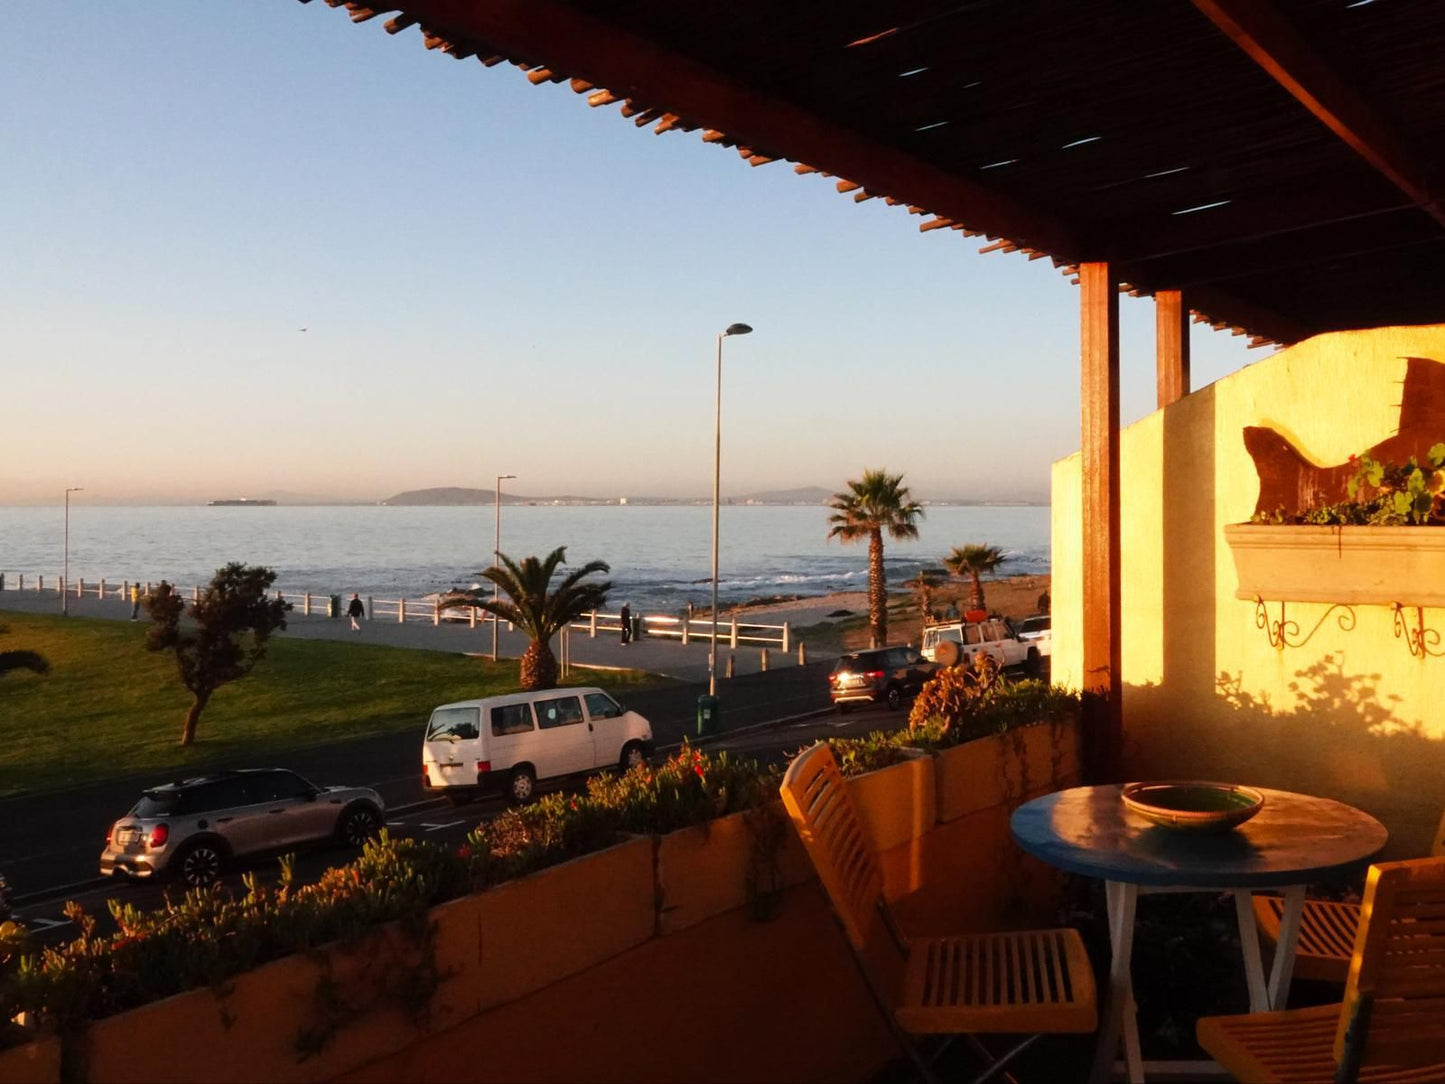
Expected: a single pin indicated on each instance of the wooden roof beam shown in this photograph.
(1257, 27)
(589, 48)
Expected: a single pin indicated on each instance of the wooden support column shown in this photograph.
(1171, 344)
(1099, 342)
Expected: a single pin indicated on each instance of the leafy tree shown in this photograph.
(878, 503)
(974, 562)
(232, 623)
(22, 660)
(535, 607)
(922, 586)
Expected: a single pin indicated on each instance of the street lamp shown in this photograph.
(497, 555)
(65, 576)
(733, 329)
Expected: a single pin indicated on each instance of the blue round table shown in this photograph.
(1293, 840)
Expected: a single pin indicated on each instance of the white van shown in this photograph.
(508, 743)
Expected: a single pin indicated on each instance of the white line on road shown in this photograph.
(439, 827)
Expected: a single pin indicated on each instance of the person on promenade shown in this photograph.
(356, 609)
(135, 597)
(626, 616)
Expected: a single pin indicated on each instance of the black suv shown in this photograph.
(886, 675)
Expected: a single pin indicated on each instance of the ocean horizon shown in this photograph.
(660, 555)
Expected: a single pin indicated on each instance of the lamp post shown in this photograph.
(65, 576)
(733, 329)
(497, 554)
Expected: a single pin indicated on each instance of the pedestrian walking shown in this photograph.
(135, 602)
(356, 609)
(626, 616)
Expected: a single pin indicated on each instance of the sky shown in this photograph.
(493, 278)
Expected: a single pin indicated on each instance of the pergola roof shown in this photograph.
(1277, 160)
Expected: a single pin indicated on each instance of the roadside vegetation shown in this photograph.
(109, 707)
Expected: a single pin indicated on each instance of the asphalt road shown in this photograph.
(771, 742)
(50, 843)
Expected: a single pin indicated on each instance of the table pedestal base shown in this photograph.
(1120, 1013)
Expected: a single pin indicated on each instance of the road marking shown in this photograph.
(439, 827)
(39, 924)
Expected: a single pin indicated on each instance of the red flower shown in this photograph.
(464, 851)
(700, 773)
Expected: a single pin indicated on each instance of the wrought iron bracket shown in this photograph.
(1422, 642)
(1284, 632)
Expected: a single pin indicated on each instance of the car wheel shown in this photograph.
(524, 782)
(200, 864)
(632, 756)
(460, 797)
(358, 824)
(894, 698)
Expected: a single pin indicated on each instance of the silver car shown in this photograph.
(193, 829)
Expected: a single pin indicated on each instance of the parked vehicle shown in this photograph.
(195, 828)
(1038, 631)
(885, 675)
(508, 744)
(995, 636)
(5, 904)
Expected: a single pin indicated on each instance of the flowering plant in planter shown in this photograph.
(1381, 494)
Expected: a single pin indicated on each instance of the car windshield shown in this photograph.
(858, 663)
(157, 803)
(456, 724)
(1035, 624)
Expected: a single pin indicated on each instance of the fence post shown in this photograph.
(306, 604)
(471, 617)
(196, 593)
(80, 587)
(685, 631)
(592, 626)
(734, 643)
(100, 593)
(802, 653)
(436, 613)
(125, 589)
(786, 634)
(765, 660)
(401, 611)
(22, 581)
(732, 664)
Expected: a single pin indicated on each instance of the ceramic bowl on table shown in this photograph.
(1193, 806)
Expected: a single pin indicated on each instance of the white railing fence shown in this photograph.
(428, 609)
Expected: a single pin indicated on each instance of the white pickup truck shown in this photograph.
(995, 637)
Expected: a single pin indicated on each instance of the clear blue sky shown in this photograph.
(495, 278)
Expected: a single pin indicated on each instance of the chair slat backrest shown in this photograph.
(1438, 848)
(817, 799)
(1399, 967)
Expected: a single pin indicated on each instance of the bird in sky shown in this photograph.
(300, 329)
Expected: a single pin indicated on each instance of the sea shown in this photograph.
(660, 555)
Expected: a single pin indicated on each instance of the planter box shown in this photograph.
(703, 871)
(34, 1063)
(1351, 565)
(988, 772)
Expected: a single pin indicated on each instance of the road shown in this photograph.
(424, 817)
(51, 841)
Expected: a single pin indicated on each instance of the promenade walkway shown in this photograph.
(669, 658)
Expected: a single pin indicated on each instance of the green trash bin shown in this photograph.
(707, 715)
(333, 606)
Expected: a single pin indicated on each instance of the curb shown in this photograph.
(752, 728)
(44, 894)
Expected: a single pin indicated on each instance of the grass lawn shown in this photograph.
(110, 708)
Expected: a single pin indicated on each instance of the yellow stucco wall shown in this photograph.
(1350, 714)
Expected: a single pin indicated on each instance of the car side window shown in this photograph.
(511, 719)
(912, 658)
(222, 794)
(279, 787)
(974, 634)
(563, 711)
(602, 706)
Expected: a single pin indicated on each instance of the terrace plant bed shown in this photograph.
(1351, 565)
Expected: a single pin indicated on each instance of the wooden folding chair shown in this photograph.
(1033, 982)
(1327, 929)
(1391, 1024)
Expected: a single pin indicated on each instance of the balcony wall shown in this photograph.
(648, 961)
(1349, 714)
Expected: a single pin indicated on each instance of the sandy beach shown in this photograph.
(1013, 596)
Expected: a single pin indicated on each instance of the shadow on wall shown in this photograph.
(1337, 737)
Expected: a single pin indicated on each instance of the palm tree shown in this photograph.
(880, 502)
(974, 561)
(536, 608)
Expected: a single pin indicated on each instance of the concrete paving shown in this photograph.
(668, 657)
